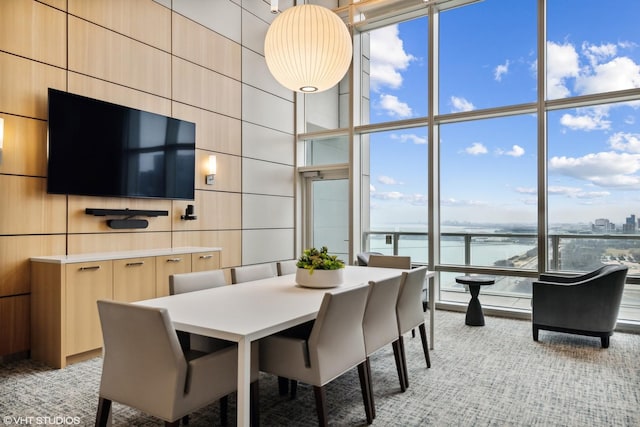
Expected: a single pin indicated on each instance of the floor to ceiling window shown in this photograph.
(518, 125)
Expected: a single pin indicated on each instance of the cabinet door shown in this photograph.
(86, 283)
(201, 261)
(168, 265)
(134, 279)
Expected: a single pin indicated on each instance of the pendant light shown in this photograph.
(308, 48)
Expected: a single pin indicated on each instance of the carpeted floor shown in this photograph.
(494, 375)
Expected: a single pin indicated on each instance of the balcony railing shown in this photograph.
(513, 259)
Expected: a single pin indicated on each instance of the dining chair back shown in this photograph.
(331, 347)
(195, 281)
(380, 324)
(410, 314)
(287, 267)
(390, 261)
(145, 368)
(248, 273)
(191, 282)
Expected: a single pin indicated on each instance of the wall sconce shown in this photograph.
(1, 137)
(211, 170)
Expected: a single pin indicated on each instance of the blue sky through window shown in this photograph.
(488, 59)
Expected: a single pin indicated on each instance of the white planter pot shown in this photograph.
(319, 278)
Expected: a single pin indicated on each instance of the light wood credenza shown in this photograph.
(65, 327)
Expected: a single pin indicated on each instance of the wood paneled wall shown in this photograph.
(135, 53)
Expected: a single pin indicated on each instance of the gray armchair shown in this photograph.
(586, 305)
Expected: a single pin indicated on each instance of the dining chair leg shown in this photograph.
(283, 386)
(224, 410)
(104, 409)
(397, 354)
(403, 355)
(321, 405)
(185, 420)
(254, 392)
(372, 402)
(425, 344)
(367, 393)
(294, 389)
(175, 423)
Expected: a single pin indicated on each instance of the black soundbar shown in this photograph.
(124, 212)
(120, 224)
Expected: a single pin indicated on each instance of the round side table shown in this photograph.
(475, 316)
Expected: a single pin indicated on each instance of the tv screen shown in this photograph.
(97, 148)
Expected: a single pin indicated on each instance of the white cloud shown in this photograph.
(526, 190)
(618, 74)
(461, 104)
(418, 140)
(597, 54)
(456, 202)
(626, 142)
(576, 192)
(587, 119)
(516, 151)
(388, 58)
(383, 179)
(413, 199)
(606, 169)
(394, 106)
(601, 70)
(476, 148)
(372, 188)
(562, 63)
(501, 70)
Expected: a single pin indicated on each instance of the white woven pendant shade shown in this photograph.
(308, 48)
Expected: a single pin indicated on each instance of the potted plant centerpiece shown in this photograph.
(318, 269)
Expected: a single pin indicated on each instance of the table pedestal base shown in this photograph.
(475, 316)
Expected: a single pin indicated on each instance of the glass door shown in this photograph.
(327, 211)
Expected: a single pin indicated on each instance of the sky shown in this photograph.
(488, 58)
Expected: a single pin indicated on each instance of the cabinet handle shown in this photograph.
(134, 264)
(206, 256)
(93, 267)
(174, 259)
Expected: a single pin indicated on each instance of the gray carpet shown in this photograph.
(494, 375)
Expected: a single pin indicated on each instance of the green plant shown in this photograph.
(313, 259)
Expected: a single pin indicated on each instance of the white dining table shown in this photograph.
(246, 312)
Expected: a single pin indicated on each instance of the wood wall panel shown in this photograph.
(25, 147)
(117, 94)
(217, 210)
(200, 87)
(204, 47)
(26, 208)
(214, 132)
(143, 20)
(229, 240)
(24, 83)
(113, 242)
(35, 31)
(228, 172)
(15, 252)
(104, 54)
(80, 222)
(15, 311)
(58, 4)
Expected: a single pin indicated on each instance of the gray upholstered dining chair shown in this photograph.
(191, 282)
(331, 347)
(248, 273)
(287, 267)
(410, 314)
(145, 368)
(390, 261)
(586, 304)
(380, 325)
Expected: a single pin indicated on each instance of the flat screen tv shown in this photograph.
(97, 148)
